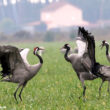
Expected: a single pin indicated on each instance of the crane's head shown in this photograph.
(104, 43)
(36, 49)
(66, 46)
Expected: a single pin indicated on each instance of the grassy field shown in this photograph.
(56, 86)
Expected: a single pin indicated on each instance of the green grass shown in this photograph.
(56, 86)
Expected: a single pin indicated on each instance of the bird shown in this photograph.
(104, 70)
(84, 61)
(106, 44)
(15, 67)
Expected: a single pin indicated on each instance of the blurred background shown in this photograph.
(52, 20)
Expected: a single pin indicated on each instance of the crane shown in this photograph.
(83, 62)
(15, 67)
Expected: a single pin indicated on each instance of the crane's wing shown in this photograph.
(81, 43)
(89, 61)
(88, 58)
(90, 45)
(9, 58)
(24, 54)
(75, 50)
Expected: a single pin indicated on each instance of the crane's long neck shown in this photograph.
(40, 58)
(66, 55)
(35, 68)
(107, 50)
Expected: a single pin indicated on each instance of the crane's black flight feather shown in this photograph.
(91, 49)
(9, 56)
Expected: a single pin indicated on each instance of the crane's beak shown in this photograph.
(41, 49)
(62, 48)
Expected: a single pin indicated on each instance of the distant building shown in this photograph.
(62, 14)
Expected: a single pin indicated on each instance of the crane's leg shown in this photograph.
(22, 90)
(16, 91)
(100, 88)
(108, 90)
(84, 88)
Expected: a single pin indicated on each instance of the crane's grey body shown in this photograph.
(78, 66)
(20, 71)
(23, 74)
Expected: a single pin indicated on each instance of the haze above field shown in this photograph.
(41, 18)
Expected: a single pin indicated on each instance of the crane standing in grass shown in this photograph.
(106, 44)
(83, 62)
(16, 67)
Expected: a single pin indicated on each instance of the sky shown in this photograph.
(32, 1)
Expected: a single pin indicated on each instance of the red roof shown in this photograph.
(34, 23)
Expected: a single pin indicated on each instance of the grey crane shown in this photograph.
(106, 44)
(83, 63)
(15, 67)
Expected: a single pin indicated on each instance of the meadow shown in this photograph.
(56, 86)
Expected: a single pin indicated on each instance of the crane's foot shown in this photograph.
(83, 98)
(20, 97)
(79, 97)
(15, 97)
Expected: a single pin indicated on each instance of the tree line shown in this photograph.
(24, 11)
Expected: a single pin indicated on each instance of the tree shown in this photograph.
(49, 36)
(7, 25)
